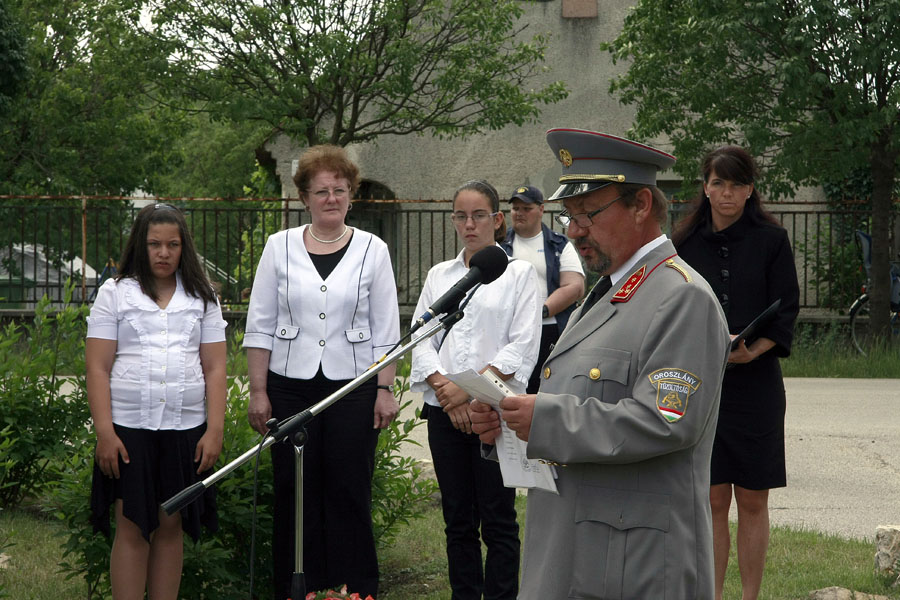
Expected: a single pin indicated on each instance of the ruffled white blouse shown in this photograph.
(156, 380)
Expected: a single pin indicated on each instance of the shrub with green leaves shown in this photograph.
(399, 491)
(218, 565)
(42, 392)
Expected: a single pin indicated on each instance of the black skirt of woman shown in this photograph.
(749, 446)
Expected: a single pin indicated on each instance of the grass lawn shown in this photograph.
(414, 567)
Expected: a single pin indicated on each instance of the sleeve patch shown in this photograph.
(673, 390)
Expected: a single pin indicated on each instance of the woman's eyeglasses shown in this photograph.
(479, 217)
(339, 194)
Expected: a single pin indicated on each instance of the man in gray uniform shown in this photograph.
(628, 399)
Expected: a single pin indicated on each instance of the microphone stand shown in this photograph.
(294, 429)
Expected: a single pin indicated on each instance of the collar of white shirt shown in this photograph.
(137, 298)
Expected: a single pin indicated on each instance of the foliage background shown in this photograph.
(47, 454)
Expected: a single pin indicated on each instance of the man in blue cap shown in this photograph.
(629, 396)
(560, 276)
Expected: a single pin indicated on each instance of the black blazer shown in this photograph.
(749, 266)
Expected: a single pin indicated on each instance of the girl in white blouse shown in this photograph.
(500, 331)
(155, 357)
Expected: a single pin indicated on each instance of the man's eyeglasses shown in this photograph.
(460, 218)
(583, 220)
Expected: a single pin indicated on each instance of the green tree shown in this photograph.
(13, 68)
(811, 87)
(82, 122)
(344, 72)
(214, 159)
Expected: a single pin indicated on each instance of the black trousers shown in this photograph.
(338, 460)
(473, 497)
(549, 336)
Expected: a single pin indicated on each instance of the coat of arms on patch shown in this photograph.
(673, 389)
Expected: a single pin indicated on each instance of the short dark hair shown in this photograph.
(660, 206)
(135, 260)
(325, 157)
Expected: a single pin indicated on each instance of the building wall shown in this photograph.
(427, 168)
(423, 167)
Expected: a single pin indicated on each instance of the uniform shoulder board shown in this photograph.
(674, 265)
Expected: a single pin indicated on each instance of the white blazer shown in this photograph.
(343, 322)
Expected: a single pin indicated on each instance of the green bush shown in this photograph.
(399, 491)
(45, 411)
(218, 565)
(835, 264)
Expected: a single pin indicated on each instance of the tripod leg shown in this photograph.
(298, 581)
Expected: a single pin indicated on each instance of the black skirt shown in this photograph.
(749, 446)
(161, 465)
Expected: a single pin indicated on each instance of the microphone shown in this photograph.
(485, 266)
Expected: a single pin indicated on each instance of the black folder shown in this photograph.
(751, 330)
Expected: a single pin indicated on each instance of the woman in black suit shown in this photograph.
(745, 255)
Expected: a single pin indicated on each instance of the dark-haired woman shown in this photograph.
(322, 309)
(155, 357)
(500, 331)
(745, 255)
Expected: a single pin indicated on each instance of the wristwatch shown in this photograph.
(545, 312)
(389, 388)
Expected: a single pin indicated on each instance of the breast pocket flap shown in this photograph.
(622, 509)
(606, 364)
(286, 332)
(355, 336)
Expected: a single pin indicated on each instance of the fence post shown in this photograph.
(83, 249)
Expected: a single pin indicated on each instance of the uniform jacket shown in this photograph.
(628, 403)
(343, 322)
(554, 243)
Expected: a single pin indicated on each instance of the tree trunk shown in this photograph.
(883, 165)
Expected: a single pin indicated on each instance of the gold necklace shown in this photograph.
(321, 241)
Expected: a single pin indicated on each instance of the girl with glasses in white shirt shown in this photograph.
(155, 358)
(500, 331)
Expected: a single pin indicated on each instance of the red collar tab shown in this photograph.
(637, 278)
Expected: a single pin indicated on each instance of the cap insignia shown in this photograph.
(671, 263)
(521, 190)
(673, 389)
(565, 157)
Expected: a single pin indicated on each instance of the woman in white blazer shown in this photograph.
(323, 307)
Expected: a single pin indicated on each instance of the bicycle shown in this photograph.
(859, 310)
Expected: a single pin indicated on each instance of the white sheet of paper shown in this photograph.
(517, 469)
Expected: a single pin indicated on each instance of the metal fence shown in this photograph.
(44, 243)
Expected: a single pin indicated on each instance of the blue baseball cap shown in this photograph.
(528, 193)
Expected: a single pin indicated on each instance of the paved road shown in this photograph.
(843, 456)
